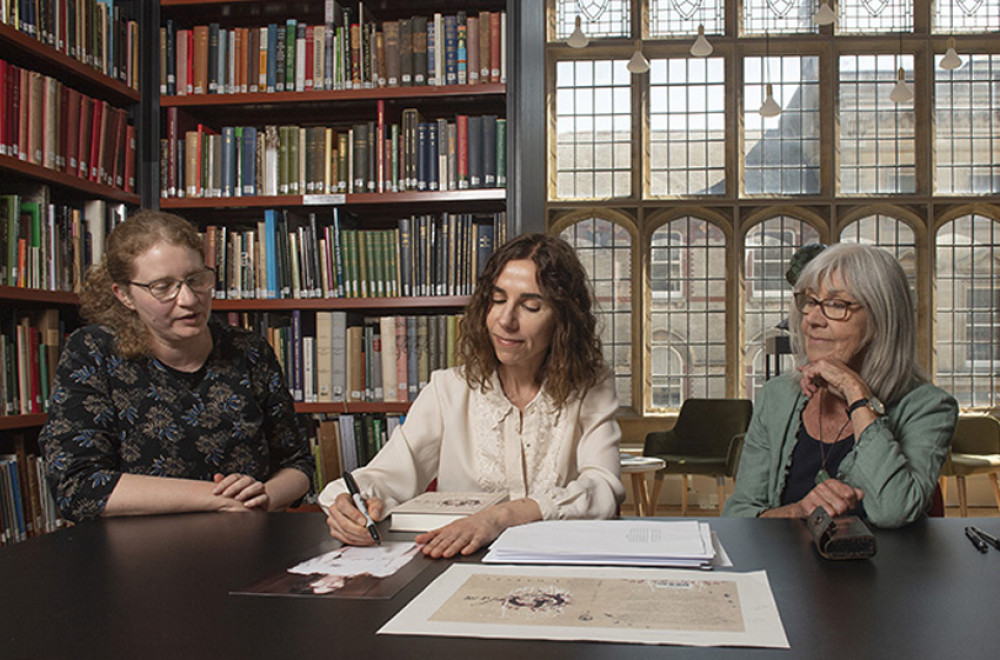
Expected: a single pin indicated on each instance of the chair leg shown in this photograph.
(720, 483)
(943, 485)
(654, 499)
(637, 493)
(963, 502)
(684, 495)
(996, 488)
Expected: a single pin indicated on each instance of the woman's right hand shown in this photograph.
(347, 524)
(836, 497)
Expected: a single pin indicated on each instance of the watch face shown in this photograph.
(877, 406)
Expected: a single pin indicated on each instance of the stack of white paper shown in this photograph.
(677, 543)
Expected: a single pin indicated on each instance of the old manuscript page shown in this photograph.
(648, 606)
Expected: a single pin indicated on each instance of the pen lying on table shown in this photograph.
(985, 536)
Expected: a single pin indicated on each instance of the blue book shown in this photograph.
(213, 58)
(484, 244)
(451, 50)
(222, 63)
(228, 161)
(272, 56)
(271, 253)
(248, 161)
(432, 158)
(423, 156)
(171, 59)
(412, 369)
(461, 49)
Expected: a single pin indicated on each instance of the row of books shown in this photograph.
(48, 245)
(44, 122)
(344, 52)
(94, 32)
(347, 442)
(247, 161)
(329, 356)
(29, 351)
(288, 255)
(26, 505)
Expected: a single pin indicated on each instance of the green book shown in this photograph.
(283, 146)
(293, 161)
(291, 30)
(501, 153)
(362, 254)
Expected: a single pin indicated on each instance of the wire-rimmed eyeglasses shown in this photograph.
(834, 309)
(168, 288)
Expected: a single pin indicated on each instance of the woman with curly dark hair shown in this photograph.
(529, 413)
(155, 409)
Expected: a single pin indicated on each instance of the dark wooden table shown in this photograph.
(158, 587)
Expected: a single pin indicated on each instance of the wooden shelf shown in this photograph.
(353, 408)
(59, 178)
(351, 199)
(39, 296)
(333, 95)
(430, 303)
(51, 61)
(12, 422)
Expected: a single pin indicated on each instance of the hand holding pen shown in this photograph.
(352, 488)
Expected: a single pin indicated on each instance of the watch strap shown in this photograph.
(860, 403)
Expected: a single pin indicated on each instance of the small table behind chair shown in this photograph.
(640, 467)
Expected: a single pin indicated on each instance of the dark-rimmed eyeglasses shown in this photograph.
(832, 308)
(168, 288)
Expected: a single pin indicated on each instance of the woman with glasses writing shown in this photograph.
(155, 409)
(857, 428)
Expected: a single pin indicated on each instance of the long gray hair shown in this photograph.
(875, 278)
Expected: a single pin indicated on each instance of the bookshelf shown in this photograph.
(61, 190)
(376, 203)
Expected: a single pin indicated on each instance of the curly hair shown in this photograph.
(128, 241)
(574, 362)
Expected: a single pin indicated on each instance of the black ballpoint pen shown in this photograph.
(970, 533)
(352, 487)
(986, 536)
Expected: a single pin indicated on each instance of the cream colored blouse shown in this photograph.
(566, 460)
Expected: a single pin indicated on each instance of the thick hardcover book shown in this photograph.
(291, 30)
(462, 150)
(472, 48)
(461, 48)
(387, 333)
(435, 509)
(212, 63)
(451, 50)
(423, 156)
(432, 156)
(475, 152)
(405, 52)
(419, 50)
(390, 30)
(442, 155)
(489, 150)
(338, 356)
(484, 47)
(495, 50)
(171, 57)
(200, 65)
(501, 153)
(248, 161)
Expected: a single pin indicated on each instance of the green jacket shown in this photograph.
(896, 461)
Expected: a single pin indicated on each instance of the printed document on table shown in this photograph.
(633, 542)
(596, 603)
(377, 560)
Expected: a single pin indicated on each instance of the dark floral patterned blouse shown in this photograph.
(110, 416)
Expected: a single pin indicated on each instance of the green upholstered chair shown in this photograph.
(975, 449)
(707, 439)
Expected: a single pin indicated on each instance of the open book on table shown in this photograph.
(431, 510)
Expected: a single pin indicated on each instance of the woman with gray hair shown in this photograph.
(858, 428)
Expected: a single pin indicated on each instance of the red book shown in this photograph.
(13, 108)
(494, 47)
(310, 57)
(83, 135)
(129, 183)
(64, 124)
(462, 150)
(23, 92)
(117, 166)
(72, 147)
(97, 121)
(190, 62)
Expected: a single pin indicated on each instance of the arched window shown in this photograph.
(605, 249)
(968, 309)
(890, 234)
(769, 247)
(687, 282)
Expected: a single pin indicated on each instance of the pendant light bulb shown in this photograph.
(578, 39)
(638, 64)
(701, 47)
(769, 108)
(902, 92)
(951, 60)
(825, 14)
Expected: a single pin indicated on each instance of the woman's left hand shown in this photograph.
(242, 488)
(839, 379)
(463, 536)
